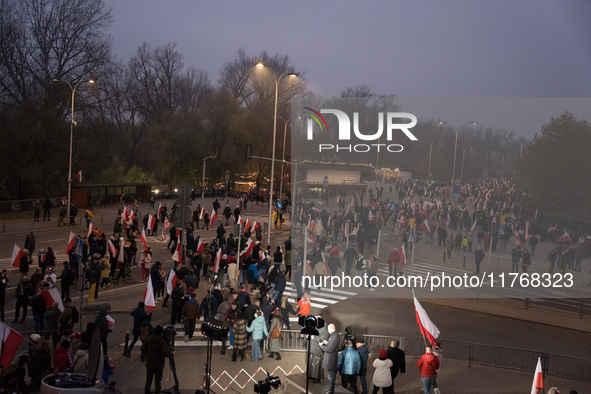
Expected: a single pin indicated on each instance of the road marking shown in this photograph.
(53, 240)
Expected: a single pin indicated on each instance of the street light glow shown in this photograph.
(260, 64)
(91, 81)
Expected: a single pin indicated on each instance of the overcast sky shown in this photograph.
(408, 48)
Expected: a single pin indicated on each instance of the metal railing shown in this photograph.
(470, 352)
(580, 307)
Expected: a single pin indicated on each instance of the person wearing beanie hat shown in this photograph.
(382, 377)
(139, 315)
(156, 351)
(349, 366)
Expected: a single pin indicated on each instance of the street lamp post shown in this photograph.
(90, 81)
(453, 176)
(283, 157)
(277, 80)
(463, 157)
(430, 150)
(486, 161)
(521, 151)
(203, 179)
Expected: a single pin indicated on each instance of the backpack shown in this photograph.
(86, 215)
(72, 276)
(276, 332)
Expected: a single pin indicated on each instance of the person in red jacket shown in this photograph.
(428, 364)
(62, 362)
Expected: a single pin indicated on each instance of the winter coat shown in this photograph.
(155, 276)
(349, 362)
(363, 355)
(382, 376)
(315, 342)
(320, 268)
(52, 317)
(205, 309)
(139, 314)
(258, 327)
(428, 364)
(80, 363)
(280, 283)
(304, 307)
(398, 360)
(102, 325)
(239, 329)
(61, 359)
(191, 310)
(331, 352)
(275, 342)
(156, 351)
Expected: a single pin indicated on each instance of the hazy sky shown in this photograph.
(408, 48)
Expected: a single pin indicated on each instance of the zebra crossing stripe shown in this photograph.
(347, 293)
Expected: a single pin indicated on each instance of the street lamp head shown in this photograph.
(473, 122)
(91, 81)
(441, 122)
(260, 64)
(55, 80)
(292, 75)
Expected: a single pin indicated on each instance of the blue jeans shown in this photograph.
(348, 265)
(332, 376)
(427, 383)
(359, 272)
(256, 349)
(231, 337)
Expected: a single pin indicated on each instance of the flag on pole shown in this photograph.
(159, 209)
(216, 263)
(90, 230)
(11, 340)
(201, 213)
(121, 255)
(112, 248)
(246, 226)
(151, 222)
(310, 239)
(167, 224)
(255, 226)
(321, 203)
(536, 214)
(426, 326)
(474, 226)
(370, 216)
(526, 231)
(79, 176)
(171, 282)
(110, 322)
(338, 199)
(240, 221)
(425, 226)
(144, 239)
(177, 251)
(537, 385)
(71, 241)
(213, 218)
(301, 214)
(52, 295)
(17, 255)
(402, 254)
(149, 300)
(163, 237)
(201, 246)
(248, 249)
(316, 210)
(518, 240)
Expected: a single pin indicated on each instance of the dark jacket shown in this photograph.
(363, 354)
(280, 283)
(155, 276)
(156, 351)
(331, 352)
(38, 304)
(139, 314)
(102, 325)
(398, 360)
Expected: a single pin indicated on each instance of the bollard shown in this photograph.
(125, 349)
(464, 261)
(444, 257)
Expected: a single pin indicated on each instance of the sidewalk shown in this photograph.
(240, 377)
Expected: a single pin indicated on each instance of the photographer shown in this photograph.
(156, 350)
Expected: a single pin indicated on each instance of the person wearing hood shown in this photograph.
(62, 361)
(102, 325)
(192, 314)
(382, 377)
(52, 316)
(258, 328)
(209, 306)
(139, 315)
(156, 351)
(349, 336)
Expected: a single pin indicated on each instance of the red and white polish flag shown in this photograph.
(71, 242)
(177, 251)
(425, 226)
(144, 239)
(537, 385)
(402, 254)
(201, 213)
(151, 222)
(316, 210)
(310, 239)
(121, 255)
(112, 249)
(52, 295)
(167, 224)
(255, 226)
(17, 255)
(474, 226)
(171, 282)
(201, 246)
(79, 176)
(518, 240)
(427, 327)
(149, 300)
(216, 263)
(246, 226)
(248, 250)
(163, 237)
(11, 339)
(110, 321)
(213, 219)
(159, 209)
(90, 230)
(301, 214)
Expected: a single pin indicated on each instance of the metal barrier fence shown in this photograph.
(472, 353)
(580, 307)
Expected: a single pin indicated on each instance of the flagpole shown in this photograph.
(415, 297)
(81, 288)
(347, 234)
(305, 249)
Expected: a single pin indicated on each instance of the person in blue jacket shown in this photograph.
(349, 367)
(259, 331)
